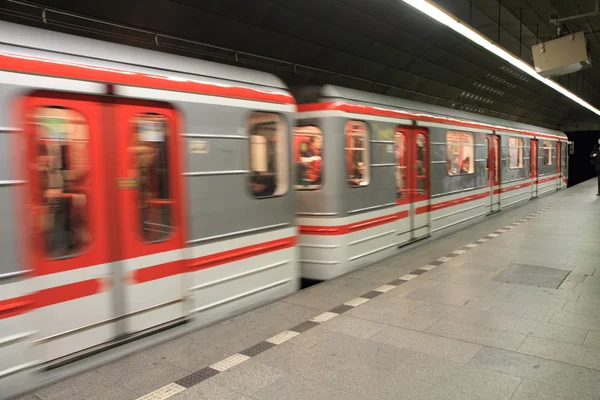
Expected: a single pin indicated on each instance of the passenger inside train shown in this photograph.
(62, 169)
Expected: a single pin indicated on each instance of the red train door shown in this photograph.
(419, 182)
(66, 215)
(493, 144)
(533, 162)
(149, 197)
(558, 165)
(412, 182)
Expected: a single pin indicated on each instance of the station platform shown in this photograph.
(505, 309)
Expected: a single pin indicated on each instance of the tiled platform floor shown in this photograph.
(410, 329)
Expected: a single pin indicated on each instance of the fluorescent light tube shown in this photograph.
(440, 15)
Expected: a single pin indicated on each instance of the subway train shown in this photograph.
(142, 190)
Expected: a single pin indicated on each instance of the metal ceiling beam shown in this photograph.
(595, 13)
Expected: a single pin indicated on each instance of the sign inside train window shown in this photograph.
(151, 130)
(52, 128)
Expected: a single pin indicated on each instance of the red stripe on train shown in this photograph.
(40, 66)
(515, 187)
(546, 180)
(17, 306)
(354, 227)
(450, 203)
(242, 253)
(385, 112)
(51, 296)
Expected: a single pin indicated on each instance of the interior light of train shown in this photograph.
(440, 15)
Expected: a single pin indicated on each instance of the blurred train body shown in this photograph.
(141, 190)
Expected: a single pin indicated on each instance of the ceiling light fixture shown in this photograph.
(440, 15)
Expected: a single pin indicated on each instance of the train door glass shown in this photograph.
(533, 162)
(558, 165)
(420, 183)
(493, 142)
(150, 214)
(565, 164)
(412, 182)
(67, 222)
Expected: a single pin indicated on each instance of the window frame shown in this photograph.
(284, 147)
(366, 153)
(462, 146)
(520, 153)
(309, 188)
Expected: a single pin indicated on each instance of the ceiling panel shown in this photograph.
(388, 46)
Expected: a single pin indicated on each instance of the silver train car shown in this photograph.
(389, 172)
(137, 190)
(142, 190)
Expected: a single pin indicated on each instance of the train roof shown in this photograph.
(72, 45)
(337, 92)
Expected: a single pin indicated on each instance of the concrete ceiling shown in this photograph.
(382, 46)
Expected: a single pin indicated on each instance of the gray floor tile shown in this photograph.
(188, 354)
(232, 336)
(209, 390)
(590, 297)
(449, 349)
(286, 349)
(576, 320)
(142, 373)
(378, 384)
(456, 395)
(249, 377)
(577, 307)
(90, 385)
(460, 314)
(294, 387)
(467, 379)
(541, 329)
(416, 322)
(534, 312)
(534, 295)
(433, 296)
(382, 305)
(529, 367)
(312, 337)
(28, 397)
(477, 334)
(484, 290)
(588, 270)
(308, 363)
(291, 312)
(592, 339)
(566, 353)
(354, 326)
(546, 389)
(361, 351)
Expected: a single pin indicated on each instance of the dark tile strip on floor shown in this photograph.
(223, 365)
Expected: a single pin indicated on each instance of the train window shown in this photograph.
(547, 152)
(401, 163)
(421, 164)
(150, 140)
(268, 154)
(63, 173)
(460, 148)
(357, 138)
(515, 153)
(308, 157)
